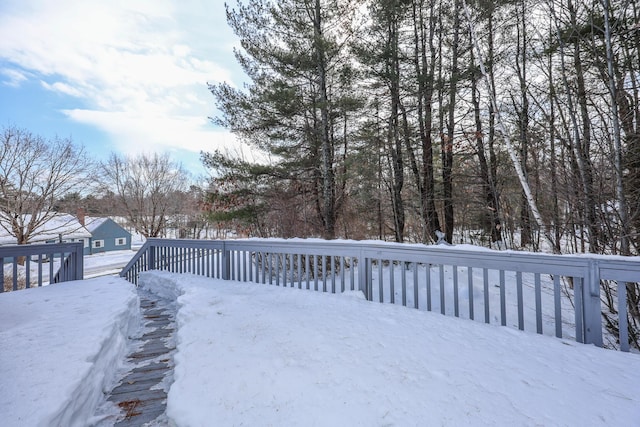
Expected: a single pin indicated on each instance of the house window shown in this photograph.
(98, 244)
(121, 241)
(85, 242)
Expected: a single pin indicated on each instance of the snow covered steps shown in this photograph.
(141, 395)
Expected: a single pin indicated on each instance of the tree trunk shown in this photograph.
(394, 130)
(510, 149)
(328, 207)
(491, 218)
(523, 124)
(425, 117)
(447, 141)
(553, 161)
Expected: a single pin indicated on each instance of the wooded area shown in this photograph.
(505, 124)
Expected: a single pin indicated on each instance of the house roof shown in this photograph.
(59, 224)
(91, 223)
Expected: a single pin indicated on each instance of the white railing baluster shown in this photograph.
(578, 297)
(428, 280)
(442, 301)
(307, 269)
(415, 286)
(392, 282)
(333, 274)
(380, 281)
(503, 300)
(520, 300)
(470, 290)
(538, 297)
(324, 273)
(456, 302)
(299, 264)
(623, 325)
(315, 272)
(352, 274)
(404, 284)
(342, 286)
(557, 305)
(485, 279)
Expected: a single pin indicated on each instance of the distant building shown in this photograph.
(105, 235)
(59, 228)
(97, 234)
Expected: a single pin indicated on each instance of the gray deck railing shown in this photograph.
(43, 263)
(550, 294)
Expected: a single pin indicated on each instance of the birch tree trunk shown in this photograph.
(505, 135)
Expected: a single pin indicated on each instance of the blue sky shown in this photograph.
(126, 76)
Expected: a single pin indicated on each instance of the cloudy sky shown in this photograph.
(128, 76)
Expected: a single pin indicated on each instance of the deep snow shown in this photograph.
(252, 354)
(262, 355)
(60, 347)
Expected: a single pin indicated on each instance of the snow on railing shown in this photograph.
(26, 266)
(550, 294)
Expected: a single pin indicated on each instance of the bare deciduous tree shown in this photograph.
(34, 173)
(146, 187)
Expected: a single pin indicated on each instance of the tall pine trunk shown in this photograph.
(425, 117)
(447, 141)
(328, 179)
(394, 127)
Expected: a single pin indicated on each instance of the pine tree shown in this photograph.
(296, 107)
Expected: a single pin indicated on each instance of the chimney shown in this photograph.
(80, 215)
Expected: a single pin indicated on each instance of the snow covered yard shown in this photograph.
(264, 355)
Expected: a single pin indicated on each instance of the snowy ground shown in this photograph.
(264, 355)
(60, 347)
(106, 263)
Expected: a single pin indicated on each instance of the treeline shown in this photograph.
(149, 193)
(499, 123)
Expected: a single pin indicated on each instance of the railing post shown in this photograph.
(591, 312)
(226, 262)
(152, 257)
(364, 273)
(79, 255)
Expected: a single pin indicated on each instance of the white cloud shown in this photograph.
(13, 78)
(143, 133)
(62, 88)
(138, 68)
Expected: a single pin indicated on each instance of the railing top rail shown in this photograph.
(41, 248)
(616, 269)
(138, 255)
(463, 255)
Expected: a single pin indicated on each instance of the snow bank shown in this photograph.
(252, 354)
(60, 347)
(162, 284)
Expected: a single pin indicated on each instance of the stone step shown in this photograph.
(139, 394)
